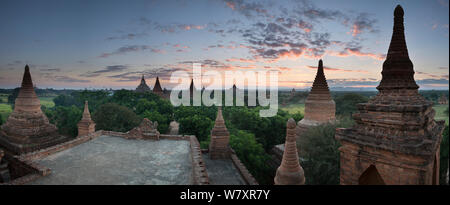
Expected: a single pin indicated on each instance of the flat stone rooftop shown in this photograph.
(222, 172)
(115, 160)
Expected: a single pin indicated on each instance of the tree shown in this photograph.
(346, 104)
(319, 154)
(252, 155)
(12, 97)
(64, 100)
(155, 116)
(197, 125)
(65, 118)
(114, 117)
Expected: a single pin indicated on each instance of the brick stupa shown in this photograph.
(143, 87)
(290, 172)
(220, 137)
(319, 106)
(157, 88)
(27, 128)
(86, 125)
(396, 139)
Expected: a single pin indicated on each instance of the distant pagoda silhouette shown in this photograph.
(319, 106)
(27, 128)
(143, 87)
(290, 172)
(86, 125)
(220, 137)
(157, 88)
(395, 139)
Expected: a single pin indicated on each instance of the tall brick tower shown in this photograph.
(290, 172)
(396, 139)
(319, 106)
(86, 125)
(220, 137)
(27, 128)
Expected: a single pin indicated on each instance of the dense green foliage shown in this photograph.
(319, 154)
(346, 104)
(114, 117)
(197, 125)
(268, 131)
(252, 154)
(65, 118)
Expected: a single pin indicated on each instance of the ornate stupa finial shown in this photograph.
(398, 72)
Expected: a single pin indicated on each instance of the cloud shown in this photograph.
(162, 73)
(129, 36)
(356, 51)
(176, 27)
(108, 69)
(337, 69)
(363, 23)
(67, 79)
(51, 70)
(132, 48)
(248, 9)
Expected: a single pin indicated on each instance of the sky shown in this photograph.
(110, 44)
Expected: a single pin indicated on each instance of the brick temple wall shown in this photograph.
(394, 169)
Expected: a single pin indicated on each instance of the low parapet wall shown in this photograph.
(199, 172)
(59, 147)
(246, 175)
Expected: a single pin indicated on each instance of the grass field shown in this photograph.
(294, 108)
(440, 115)
(47, 101)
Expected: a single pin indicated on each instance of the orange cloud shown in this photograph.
(352, 52)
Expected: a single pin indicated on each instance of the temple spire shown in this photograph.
(319, 106)
(27, 99)
(320, 82)
(86, 124)
(157, 88)
(218, 147)
(143, 87)
(290, 172)
(398, 72)
(86, 113)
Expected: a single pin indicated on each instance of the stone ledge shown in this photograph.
(59, 147)
(246, 175)
(200, 175)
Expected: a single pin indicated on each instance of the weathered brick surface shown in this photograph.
(246, 175)
(86, 125)
(220, 137)
(199, 173)
(146, 130)
(290, 172)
